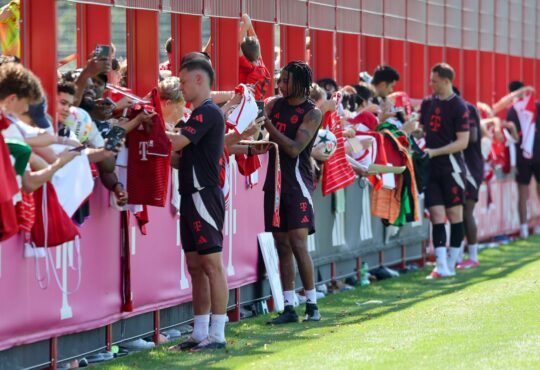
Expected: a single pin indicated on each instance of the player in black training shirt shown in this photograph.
(444, 117)
(202, 208)
(293, 121)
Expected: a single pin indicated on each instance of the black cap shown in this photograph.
(38, 114)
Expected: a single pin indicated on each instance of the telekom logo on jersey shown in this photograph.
(143, 148)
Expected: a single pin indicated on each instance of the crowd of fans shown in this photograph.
(441, 146)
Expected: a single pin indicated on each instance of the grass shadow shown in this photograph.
(252, 337)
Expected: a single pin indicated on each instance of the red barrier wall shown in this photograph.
(159, 279)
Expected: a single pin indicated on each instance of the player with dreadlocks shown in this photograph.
(293, 121)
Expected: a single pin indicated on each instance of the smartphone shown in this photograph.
(114, 137)
(102, 51)
(78, 148)
(260, 107)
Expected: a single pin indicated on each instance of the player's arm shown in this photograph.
(178, 141)
(457, 146)
(306, 131)
(473, 137)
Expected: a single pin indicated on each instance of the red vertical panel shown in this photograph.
(348, 58)
(265, 34)
(394, 56)
(142, 50)
(186, 32)
(93, 27)
(515, 68)
(501, 76)
(537, 74)
(372, 48)
(487, 77)
(528, 71)
(322, 51)
(224, 55)
(435, 55)
(454, 57)
(38, 44)
(293, 44)
(470, 84)
(418, 71)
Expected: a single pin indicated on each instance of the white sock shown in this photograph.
(524, 230)
(452, 260)
(200, 327)
(217, 328)
(311, 296)
(461, 251)
(441, 264)
(473, 252)
(289, 296)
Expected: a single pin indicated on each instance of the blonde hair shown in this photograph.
(169, 89)
(317, 93)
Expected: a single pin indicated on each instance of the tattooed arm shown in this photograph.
(306, 131)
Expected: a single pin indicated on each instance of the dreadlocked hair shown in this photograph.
(302, 78)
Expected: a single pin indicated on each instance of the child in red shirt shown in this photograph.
(251, 66)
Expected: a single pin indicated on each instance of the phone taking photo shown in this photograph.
(102, 51)
(260, 107)
(114, 137)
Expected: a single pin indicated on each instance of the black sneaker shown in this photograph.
(287, 316)
(207, 345)
(185, 345)
(312, 312)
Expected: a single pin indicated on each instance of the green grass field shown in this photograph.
(485, 318)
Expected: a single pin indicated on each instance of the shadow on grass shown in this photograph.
(252, 337)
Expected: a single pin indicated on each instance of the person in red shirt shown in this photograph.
(252, 69)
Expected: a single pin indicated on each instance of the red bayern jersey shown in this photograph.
(149, 155)
(255, 73)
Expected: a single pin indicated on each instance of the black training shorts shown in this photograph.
(201, 221)
(295, 211)
(445, 190)
(525, 169)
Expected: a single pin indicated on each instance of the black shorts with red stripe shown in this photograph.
(446, 190)
(295, 212)
(201, 221)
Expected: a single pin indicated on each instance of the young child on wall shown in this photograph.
(252, 70)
